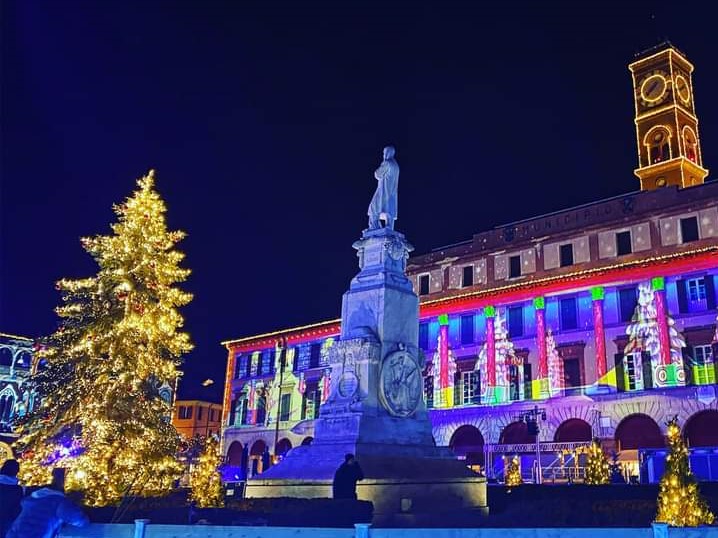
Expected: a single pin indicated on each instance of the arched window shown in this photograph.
(658, 142)
(690, 143)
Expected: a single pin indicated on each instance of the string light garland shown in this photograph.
(107, 373)
(205, 479)
(679, 502)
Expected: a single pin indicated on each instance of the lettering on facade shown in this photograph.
(578, 218)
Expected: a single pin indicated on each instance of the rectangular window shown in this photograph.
(516, 321)
(285, 407)
(637, 371)
(423, 284)
(704, 369)
(315, 353)
(623, 243)
(467, 276)
(254, 364)
(572, 372)
(311, 397)
(301, 358)
(242, 363)
(470, 388)
(467, 329)
(199, 412)
(267, 360)
(696, 289)
(566, 254)
(689, 230)
(627, 302)
(514, 266)
(429, 391)
(424, 335)
(569, 314)
(185, 412)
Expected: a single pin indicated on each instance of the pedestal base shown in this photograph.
(410, 485)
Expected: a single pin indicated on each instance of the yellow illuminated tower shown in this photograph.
(669, 149)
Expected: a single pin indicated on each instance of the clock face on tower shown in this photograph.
(654, 88)
(682, 90)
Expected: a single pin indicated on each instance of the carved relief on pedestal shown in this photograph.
(400, 384)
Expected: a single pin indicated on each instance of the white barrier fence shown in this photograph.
(142, 529)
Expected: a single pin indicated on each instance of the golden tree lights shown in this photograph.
(109, 369)
(598, 470)
(205, 479)
(513, 473)
(679, 502)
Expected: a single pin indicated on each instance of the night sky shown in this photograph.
(265, 122)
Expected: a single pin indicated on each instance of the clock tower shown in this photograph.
(669, 150)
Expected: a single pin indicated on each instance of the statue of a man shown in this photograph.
(384, 204)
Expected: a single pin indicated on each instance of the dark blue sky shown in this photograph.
(265, 121)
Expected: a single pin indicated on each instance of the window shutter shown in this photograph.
(477, 387)
(647, 367)
(682, 296)
(458, 389)
(528, 393)
(710, 292)
(620, 375)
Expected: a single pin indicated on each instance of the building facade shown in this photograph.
(16, 363)
(197, 417)
(596, 321)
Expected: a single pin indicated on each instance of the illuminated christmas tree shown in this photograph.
(205, 479)
(643, 333)
(598, 470)
(110, 368)
(512, 476)
(679, 501)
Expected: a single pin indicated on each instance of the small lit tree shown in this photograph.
(205, 479)
(512, 476)
(598, 470)
(679, 502)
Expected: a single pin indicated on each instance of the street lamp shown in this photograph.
(282, 344)
(207, 383)
(531, 419)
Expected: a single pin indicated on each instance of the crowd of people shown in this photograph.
(36, 513)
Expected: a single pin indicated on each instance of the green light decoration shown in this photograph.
(490, 311)
(443, 319)
(539, 303)
(597, 293)
(658, 283)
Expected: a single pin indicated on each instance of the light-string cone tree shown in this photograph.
(598, 470)
(513, 473)
(205, 479)
(106, 375)
(680, 504)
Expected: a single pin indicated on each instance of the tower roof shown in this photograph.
(665, 44)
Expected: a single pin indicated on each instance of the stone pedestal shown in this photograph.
(376, 409)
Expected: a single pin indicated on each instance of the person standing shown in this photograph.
(346, 478)
(46, 510)
(10, 495)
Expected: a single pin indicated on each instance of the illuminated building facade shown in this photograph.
(596, 321)
(16, 361)
(196, 417)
